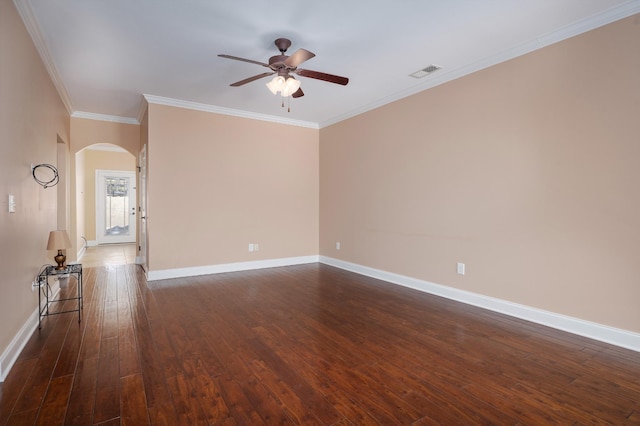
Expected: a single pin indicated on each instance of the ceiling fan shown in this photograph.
(283, 66)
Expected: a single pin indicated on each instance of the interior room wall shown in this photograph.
(217, 183)
(527, 172)
(32, 118)
(100, 160)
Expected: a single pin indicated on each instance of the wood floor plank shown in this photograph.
(127, 348)
(54, 406)
(240, 407)
(352, 411)
(93, 311)
(25, 418)
(107, 405)
(38, 381)
(134, 410)
(83, 392)
(306, 344)
(185, 401)
(206, 391)
(11, 388)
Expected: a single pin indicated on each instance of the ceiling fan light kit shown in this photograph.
(283, 66)
(286, 87)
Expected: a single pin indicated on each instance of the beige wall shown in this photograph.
(86, 132)
(527, 172)
(217, 183)
(32, 119)
(100, 160)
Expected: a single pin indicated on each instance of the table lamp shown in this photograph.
(59, 240)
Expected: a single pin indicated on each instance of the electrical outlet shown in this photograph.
(337, 245)
(460, 268)
(34, 285)
(251, 247)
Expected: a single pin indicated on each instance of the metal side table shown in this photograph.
(44, 292)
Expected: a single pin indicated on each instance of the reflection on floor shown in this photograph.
(109, 254)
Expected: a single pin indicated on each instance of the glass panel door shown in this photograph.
(115, 207)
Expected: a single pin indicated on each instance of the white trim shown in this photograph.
(603, 333)
(81, 252)
(104, 117)
(165, 274)
(142, 109)
(19, 341)
(152, 99)
(92, 243)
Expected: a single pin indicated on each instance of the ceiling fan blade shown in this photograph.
(298, 93)
(298, 57)
(235, 58)
(323, 76)
(250, 79)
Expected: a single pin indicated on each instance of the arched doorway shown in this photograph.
(106, 198)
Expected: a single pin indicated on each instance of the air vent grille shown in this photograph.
(425, 71)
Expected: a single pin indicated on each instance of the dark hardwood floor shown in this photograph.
(307, 344)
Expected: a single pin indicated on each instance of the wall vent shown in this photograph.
(425, 71)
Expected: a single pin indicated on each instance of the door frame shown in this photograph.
(142, 209)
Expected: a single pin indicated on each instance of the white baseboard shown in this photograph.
(19, 341)
(603, 333)
(81, 253)
(164, 274)
(10, 355)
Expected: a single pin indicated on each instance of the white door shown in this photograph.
(142, 163)
(115, 207)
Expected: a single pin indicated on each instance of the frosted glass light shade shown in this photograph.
(290, 87)
(277, 84)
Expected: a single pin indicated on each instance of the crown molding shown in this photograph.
(33, 27)
(152, 99)
(613, 14)
(103, 117)
(142, 109)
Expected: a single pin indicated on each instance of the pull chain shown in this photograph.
(288, 103)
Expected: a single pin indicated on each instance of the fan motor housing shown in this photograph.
(277, 62)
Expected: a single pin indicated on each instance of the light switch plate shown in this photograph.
(12, 204)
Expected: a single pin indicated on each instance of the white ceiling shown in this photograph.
(104, 55)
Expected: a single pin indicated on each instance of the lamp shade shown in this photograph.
(58, 240)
